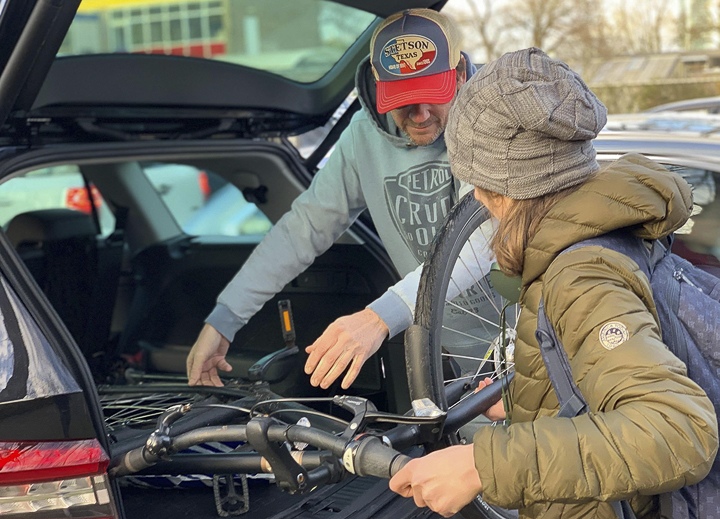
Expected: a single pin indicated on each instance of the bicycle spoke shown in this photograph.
(480, 359)
(500, 375)
(136, 410)
(479, 339)
(480, 317)
(489, 297)
(466, 300)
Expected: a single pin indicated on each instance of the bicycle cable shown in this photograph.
(224, 406)
(306, 411)
(293, 400)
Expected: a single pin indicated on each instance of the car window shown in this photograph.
(58, 187)
(298, 39)
(204, 203)
(699, 239)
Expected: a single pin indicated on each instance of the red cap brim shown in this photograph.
(435, 89)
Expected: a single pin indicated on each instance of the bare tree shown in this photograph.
(483, 26)
(641, 27)
(547, 22)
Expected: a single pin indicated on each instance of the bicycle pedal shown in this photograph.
(228, 501)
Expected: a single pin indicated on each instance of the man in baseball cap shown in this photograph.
(414, 56)
(418, 68)
(390, 160)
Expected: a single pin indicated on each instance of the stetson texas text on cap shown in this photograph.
(414, 54)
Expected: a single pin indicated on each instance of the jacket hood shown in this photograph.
(632, 192)
(383, 123)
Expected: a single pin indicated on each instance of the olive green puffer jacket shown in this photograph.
(650, 429)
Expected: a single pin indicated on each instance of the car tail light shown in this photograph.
(204, 184)
(54, 479)
(77, 198)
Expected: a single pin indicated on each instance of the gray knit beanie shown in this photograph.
(522, 126)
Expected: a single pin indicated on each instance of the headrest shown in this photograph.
(36, 227)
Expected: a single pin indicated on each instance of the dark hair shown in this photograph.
(518, 227)
(461, 67)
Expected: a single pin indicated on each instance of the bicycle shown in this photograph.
(442, 386)
(355, 450)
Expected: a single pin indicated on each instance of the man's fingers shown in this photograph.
(195, 373)
(205, 379)
(336, 369)
(419, 501)
(402, 481)
(224, 365)
(484, 383)
(215, 379)
(319, 348)
(189, 363)
(353, 372)
(326, 364)
(405, 491)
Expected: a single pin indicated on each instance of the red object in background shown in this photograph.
(204, 184)
(193, 50)
(77, 198)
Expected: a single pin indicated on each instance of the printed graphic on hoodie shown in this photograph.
(419, 199)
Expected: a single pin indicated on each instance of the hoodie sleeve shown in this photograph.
(316, 219)
(650, 428)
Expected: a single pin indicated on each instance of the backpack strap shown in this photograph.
(572, 402)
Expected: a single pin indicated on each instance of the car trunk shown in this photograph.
(106, 112)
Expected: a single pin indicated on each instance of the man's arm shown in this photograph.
(352, 339)
(317, 218)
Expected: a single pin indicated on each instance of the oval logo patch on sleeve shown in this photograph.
(613, 334)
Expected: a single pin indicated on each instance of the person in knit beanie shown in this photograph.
(521, 132)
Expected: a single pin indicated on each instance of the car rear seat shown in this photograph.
(75, 268)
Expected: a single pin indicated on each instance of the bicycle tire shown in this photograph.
(425, 366)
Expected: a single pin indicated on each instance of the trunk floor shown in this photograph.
(353, 498)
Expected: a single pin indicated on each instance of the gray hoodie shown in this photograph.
(408, 190)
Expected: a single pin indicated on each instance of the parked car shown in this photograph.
(691, 124)
(695, 156)
(709, 105)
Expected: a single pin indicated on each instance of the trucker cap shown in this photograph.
(414, 54)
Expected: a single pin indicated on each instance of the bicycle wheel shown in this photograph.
(469, 328)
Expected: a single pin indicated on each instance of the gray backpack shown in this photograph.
(688, 304)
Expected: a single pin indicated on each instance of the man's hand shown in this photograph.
(353, 338)
(444, 481)
(206, 357)
(497, 411)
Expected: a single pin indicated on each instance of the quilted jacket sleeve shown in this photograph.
(650, 428)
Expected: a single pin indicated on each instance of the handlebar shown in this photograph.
(361, 454)
(365, 456)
